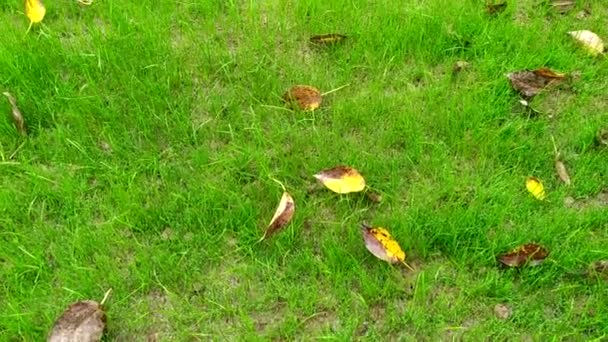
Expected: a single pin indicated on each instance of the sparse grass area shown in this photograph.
(155, 128)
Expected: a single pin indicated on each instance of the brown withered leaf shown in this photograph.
(528, 254)
(562, 6)
(562, 172)
(305, 97)
(83, 321)
(282, 215)
(327, 39)
(496, 8)
(16, 114)
(529, 83)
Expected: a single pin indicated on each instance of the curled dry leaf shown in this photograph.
(529, 83)
(83, 321)
(562, 172)
(536, 188)
(496, 8)
(16, 114)
(327, 39)
(589, 41)
(530, 254)
(562, 6)
(382, 245)
(282, 215)
(306, 97)
(342, 179)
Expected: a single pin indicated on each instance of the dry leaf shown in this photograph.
(306, 97)
(496, 8)
(502, 311)
(382, 245)
(35, 11)
(562, 6)
(83, 321)
(529, 83)
(342, 179)
(16, 114)
(536, 188)
(530, 254)
(282, 215)
(589, 40)
(328, 39)
(562, 172)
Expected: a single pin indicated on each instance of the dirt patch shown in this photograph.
(595, 202)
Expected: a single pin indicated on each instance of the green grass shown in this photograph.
(187, 96)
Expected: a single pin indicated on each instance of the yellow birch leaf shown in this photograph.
(535, 187)
(382, 245)
(34, 10)
(342, 179)
(282, 215)
(589, 40)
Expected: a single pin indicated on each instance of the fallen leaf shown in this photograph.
(502, 311)
(327, 39)
(306, 97)
(562, 172)
(529, 83)
(342, 179)
(589, 40)
(382, 245)
(496, 8)
(85, 2)
(35, 10)
(83, 321)
(530, 254)
(602, 137)
(282, 215)
(16, 114)
(562, 6)
(536, 188)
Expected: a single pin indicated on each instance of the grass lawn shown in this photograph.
(156, 127)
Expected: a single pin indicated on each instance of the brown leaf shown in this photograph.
(306, 97)
(282, 215)
(327, 39)
(16, 114)
(496, 8)
(83, 321)
(502, 311)
(530, 253)
(562, 172)
(529, 83)
(562, 6)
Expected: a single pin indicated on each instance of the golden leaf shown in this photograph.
(342, 179)
(327, 39)
(16, 114)
(282, 215)
(589, 40)
(306, 97)
(535, 187)
(562, 172)
(382, 245)
(35, 10)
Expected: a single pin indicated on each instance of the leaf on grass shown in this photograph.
(16, 114)
(282, 216)
(34, 10)
(496, 8)
(562, 6)
(342, 179)
(85, 2)
(599, 268)
(306, 97)
(562, 172)
(83, 321)
(529, 83)
(536, 188)
(382, 245)
(530, 254)
(602, 137)
(327, 39)
(589, 40)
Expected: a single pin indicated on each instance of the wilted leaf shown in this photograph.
(306, 97)
(562, 6)
(282, 215)
(382, 245)
(502, 311)
(529, 83)
(327, 39)
(16, 114)
(530, 254)
(535, 187)
(83, 321)
(342, 179)
(496, 8)
(562, 172)
(589, 40)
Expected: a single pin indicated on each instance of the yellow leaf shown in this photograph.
(282, 215)
(34, 10)
(382, 245)
(342, 179)
(589, 40)
(535, 187)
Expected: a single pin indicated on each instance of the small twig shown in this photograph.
(335, 90)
